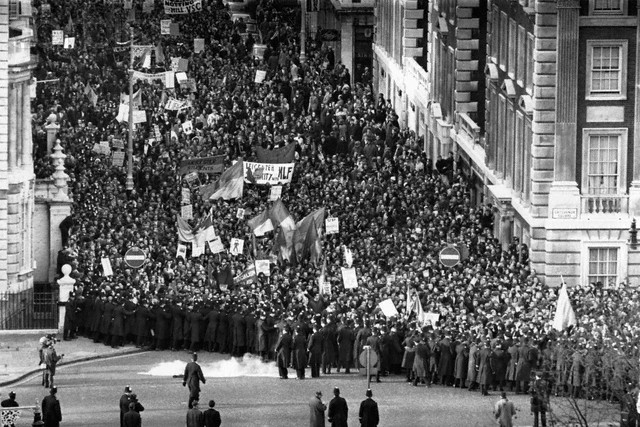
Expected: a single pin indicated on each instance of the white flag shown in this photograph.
(565, 316)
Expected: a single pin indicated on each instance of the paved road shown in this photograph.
(89, 395)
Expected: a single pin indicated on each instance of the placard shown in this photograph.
(262, 266)
(275, 193)
(191, 177)
(117, 159)
(391, 279)
(267, 173)
(117, 143)
(106, 267)
(260, 76)
(57, 37)
(186, 211)
(388, 309)
(69, 42)
(198, 45)
(237, 246)
(173, 105)
(240, 213)
(215, 245)
(210, 165)
(139, 116)
(349, 278)
(187, 127)
(182, 251)
(326, 288)
(156, 131)
(101, 149)
(186, 196)
(332, 225)
(431, 317)
(181, 77)
(165, 27)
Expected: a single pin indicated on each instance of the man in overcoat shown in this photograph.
(193, 376)
(338, 410)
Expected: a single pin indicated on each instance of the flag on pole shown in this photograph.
(261, 224)
(565, 316)
(229, 186)
(280, 216)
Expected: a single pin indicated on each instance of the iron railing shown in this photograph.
(29, 308)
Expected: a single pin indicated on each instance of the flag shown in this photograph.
(302, 229)
(323, 276)
(284, 154)
(312, 244)
(140, 54)
(261, 224)
(410, 302)
(185, 232)
(205, 229)
(159, 54)
(69, 28)
(565, 316)
(348, 256)
(93, 97)
(283, 245)
(280, 216)
(229, 186)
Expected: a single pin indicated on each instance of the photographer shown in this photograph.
(51, 359)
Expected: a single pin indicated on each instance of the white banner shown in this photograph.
(388, 309)
(117, 159)
(431, 317)
(139, 116)
(349, 278)
(332, 225)
(180, 7)
(166, 77)
(69, 42)
(267, 173)
(237, 245)
(106, 267)
(260, 76)
(174, 104)
(186, 196)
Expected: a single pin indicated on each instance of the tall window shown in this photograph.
(530, 64)
(603, 265)
(603, 163)
(504, 39)
(519, 145)
(526, 161)
(513, 45)
(606, 69)
(522, 55)
(495, 34)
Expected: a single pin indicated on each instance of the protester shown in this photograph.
(338, 410)
(193, 376)
(51, 359)
(504, 411)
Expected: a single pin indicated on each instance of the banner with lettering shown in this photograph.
(267, 173)
(181, 7)
(211, 165)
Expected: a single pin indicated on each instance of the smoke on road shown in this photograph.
(247, 366)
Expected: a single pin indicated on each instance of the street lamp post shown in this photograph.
(130, 140)
(303, 30)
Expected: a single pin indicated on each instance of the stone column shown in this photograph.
(52, 132)
(564, 192)
(19, 130)
(13, 135)
(65, 286)
(27, 136)
(634, 190)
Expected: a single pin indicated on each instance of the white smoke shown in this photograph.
(247, 366)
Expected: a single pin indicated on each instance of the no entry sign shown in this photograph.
(449, 256)
(135, 257)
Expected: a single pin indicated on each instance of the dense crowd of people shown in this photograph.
(397, 208)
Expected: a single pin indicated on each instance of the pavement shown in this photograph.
(19, 355)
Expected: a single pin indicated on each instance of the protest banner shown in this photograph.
(174, 29)
(197, 248)
(388, 309)
(182, 251)
(100, 149)
(170, 79)
(123, 113)
(191, 85)
(186, 196)
(325, 287)
(215, 245)
(181, 77)
(181, 7)
(275, 193)
(262, 266)
(198, 45)
(247, 277)
(147, 6)
(431, 317)
(151, 77)
(165, 27)
(187, 127)
(237, 246)
(186, 212)
(69, 42)
(117, 159)
(106, 267)
(349, 278)
(174, 105)
(332, 225)
(267, 173)
(191, 177)
(156, 131)
(128, 4)
(210, 165)
(179, 64)
(57, 37)
(260, 76)
(240, 213)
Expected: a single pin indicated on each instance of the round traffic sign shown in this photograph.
(449, 256)
(373, 359)
(135, 258)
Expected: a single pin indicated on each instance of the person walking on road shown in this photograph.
(125, 400)
(212, 416)
(195, 417)
(192, 376)
(51, 412)
(51, 360)
(369, 416)
(132, 418)
(504, 411)
(316, 410)
(338, 410)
